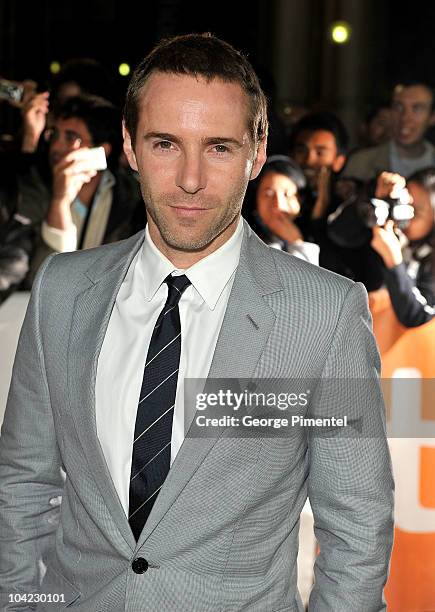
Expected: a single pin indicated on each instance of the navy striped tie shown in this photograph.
(153, 429)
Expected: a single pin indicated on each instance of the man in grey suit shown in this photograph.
(99, 484)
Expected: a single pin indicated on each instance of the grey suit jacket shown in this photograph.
(223, 533)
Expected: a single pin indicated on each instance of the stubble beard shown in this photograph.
(187, 235)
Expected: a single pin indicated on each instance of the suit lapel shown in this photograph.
(245, 330)
(92, 310)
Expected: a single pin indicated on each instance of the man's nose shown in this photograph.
(406, 114)
(311, 158)
(58, 148)
(191, 176)
(279, 201)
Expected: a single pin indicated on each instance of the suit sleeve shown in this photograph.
(30, 467)
(350, 482)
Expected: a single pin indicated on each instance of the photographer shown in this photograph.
(409, 271)
(392, 236)
(85, 204)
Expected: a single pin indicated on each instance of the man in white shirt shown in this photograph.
(154, 515)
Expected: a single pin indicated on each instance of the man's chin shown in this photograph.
(408, 143)
(188, 244)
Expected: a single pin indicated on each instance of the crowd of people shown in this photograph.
(367, 214)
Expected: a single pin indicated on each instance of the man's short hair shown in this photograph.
(101, 117)
(199, 55)
(408, 81)
(325, 122)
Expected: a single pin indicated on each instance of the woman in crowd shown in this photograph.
(409, 270)
(272, 203)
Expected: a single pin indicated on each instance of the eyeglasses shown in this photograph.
(72, 139)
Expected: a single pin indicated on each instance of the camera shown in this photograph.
(350, 226)
(11, 91)
(378, 212)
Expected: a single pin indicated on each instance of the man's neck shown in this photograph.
(415, 150)
(183, 260)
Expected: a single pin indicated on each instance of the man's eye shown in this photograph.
(219, 148)
(164, 144)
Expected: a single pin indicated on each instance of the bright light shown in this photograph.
(124, 69)
(340, 32)
(54, 67)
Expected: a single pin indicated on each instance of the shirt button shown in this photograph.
(139, 565)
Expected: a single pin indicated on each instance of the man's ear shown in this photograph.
(260, 158)
(338, 163)
(128, 148)
(432, 119)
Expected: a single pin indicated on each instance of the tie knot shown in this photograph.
(176, 287)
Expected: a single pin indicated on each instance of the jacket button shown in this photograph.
(139, 565)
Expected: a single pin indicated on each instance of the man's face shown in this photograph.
(194, 157)
(411, 114)
(379, 128)
(66, 136)
(314, 150)
(277, 194)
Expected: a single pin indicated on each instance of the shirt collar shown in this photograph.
(107, 180)
(209, 276)
(394, 151)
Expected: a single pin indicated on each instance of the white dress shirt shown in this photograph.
(122, 358)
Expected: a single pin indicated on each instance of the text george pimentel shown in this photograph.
(276, 423)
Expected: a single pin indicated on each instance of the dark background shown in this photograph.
(284, 39)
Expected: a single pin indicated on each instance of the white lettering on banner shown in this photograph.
(410, 515)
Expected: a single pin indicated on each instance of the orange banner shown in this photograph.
(410, 353)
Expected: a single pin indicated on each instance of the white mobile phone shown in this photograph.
(97, 158)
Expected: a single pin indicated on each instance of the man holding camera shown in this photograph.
(68, 193)
(88, 204)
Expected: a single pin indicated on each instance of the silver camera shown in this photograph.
(11, 91)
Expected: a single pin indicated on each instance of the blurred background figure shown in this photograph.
(408, 254)
(68, 202)
(407, 150)
(17, 238)
(272, 204)
(319, 144)
(376, 129)
(83, 206)
(81, 75)
(384, 231)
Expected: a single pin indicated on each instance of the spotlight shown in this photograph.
(124, 69)
(340, 32)
(54, 67)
